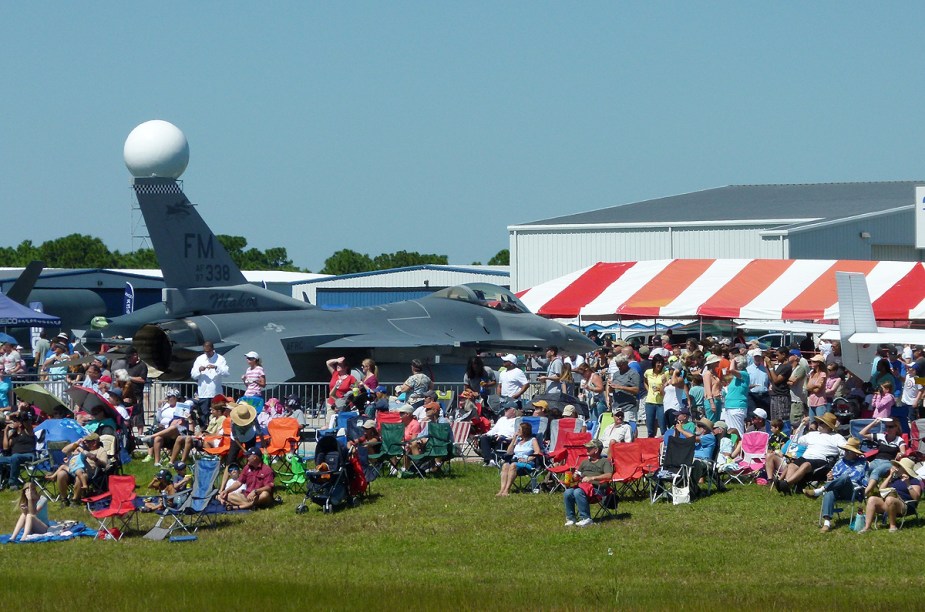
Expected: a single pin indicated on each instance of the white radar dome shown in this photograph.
(156, 148)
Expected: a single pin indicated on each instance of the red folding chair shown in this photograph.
(119, 504)
(628, 467)
(571, 453)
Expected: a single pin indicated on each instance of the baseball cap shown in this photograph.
(251, 355)
(594, 444)
(510, 357)
(252, 451)
(796, 352)
(760, 413)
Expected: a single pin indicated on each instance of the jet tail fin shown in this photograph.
(23, 286)
(856, 315)
(188, 253)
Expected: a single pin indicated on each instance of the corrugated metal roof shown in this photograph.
(503, 271)
(793, 203)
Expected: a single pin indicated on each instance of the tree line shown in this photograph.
(81, 251)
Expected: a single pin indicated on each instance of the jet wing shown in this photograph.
(270, 349)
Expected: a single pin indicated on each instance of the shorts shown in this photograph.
(817, 464)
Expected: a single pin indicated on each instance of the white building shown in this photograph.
(394, 285)
(867, 221)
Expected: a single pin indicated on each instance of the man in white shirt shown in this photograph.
(512, 382)
(207, 372)
(499, 434)
(822, 450)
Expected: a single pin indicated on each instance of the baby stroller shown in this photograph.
(327, 485)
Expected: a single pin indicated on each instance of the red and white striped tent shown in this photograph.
(776, 289)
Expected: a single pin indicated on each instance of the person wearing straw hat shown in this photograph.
(822, 449)
(901, 486)
(243, 429)
(841, 483)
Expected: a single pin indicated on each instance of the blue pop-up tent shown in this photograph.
(13, 314)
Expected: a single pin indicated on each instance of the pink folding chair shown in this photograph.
(754, 452)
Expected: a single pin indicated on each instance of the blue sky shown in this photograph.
(433, 126)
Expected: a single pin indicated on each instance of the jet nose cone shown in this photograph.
(578, 342)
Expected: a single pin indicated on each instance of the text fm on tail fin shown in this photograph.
(188, 253)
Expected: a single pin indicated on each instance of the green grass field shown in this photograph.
(451, 544)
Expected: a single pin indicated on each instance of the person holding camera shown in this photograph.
(83, 456)
(19, 442)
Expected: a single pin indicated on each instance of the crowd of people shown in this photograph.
(712, 390)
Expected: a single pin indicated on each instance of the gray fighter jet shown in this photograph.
(209, 299)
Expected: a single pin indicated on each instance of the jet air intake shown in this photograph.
(171, 347)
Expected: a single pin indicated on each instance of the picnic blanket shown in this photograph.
(57, 532)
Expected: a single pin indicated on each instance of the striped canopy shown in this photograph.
(802, 289)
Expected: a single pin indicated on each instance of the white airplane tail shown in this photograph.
(856, 315)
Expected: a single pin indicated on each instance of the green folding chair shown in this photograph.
(393, 437)
(438, 452)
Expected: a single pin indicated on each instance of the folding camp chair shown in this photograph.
(628, 472)
(461, 431)
(393, 436)
(604, 421)
(384, 416)
(119, 504)
(568, 456)
(916, 444)
(189, 511)
(565, 424)
(675, 470)
(218, 445)
(445, 399)
(650, 453)
(284, 441)
(438, 451)
(754, 453)
(294, 477)
(855, 427)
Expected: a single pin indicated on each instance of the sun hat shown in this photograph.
(907, 465)
(828, 419)
(510, 357)
(706, 424)
(721, 425)
(406, 409)
(251, 355)
(853, 445)
(760, 413)
(242, 414)
(568, 411)
(712, 359)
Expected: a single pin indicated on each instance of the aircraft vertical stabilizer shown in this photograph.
(188, 253)
(856, 315)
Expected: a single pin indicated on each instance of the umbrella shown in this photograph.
(559, 401)
(61, 430)
(8, 338)
(40, 397)
(88, 399)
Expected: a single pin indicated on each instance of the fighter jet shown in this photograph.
(208, 299)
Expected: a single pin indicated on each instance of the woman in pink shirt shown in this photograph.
(815, 387)
(883, 401)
